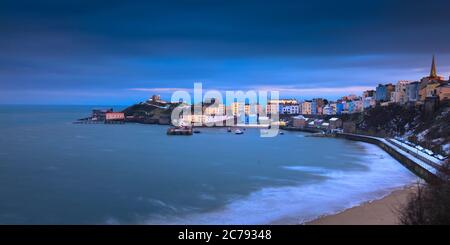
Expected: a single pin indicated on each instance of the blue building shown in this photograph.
(380, 93)
(412, 91)
(314, 107)
(339, 108)
(383, 92)
(350, 106)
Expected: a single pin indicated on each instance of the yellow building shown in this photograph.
(215, 110)
(252, 109)
(237, 108)
(429, 84)
(307, 107)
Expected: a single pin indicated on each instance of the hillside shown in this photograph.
(150, 112)
(428, 130)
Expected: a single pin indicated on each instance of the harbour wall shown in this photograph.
(404, 160)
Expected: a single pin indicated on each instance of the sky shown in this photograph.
(122, 52)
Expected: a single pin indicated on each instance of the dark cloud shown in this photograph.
(104, 45)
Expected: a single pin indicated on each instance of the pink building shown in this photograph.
(115, 116)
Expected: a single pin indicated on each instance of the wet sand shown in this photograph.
(377, 212)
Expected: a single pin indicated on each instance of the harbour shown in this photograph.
(179, 179)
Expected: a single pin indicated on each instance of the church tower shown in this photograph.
(433, 69)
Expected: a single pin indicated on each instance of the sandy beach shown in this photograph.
(377, 212)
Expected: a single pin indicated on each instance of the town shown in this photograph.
(316, 115)
(426, 102)
(421, 107)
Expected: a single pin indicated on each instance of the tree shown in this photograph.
(430, 205)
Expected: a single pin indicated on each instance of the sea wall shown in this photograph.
(305, 129)
(405, 161)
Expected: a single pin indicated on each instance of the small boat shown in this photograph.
(281, 133)
(229, 129)
(179, 131)
(196, 131)
(237, 131)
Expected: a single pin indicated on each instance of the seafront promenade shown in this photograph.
(421, 166)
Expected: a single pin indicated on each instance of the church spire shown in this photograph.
(433, 69)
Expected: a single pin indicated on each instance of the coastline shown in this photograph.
(375, 212)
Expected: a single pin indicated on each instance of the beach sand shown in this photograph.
(378, 212)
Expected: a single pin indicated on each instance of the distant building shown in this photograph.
(155, 97)
(340, 107)
(325, 126)
(237, 109)
(399, 95)
(283, 101)
(319, 110)
(412, 91)
(335, 123)
(100, 114)
(114, 116)
(350, 106)
(369, 102)
(383, 92)
(328, 110)
(290, 109)
(320, 103)
(318, 123)
(430, 89)
(314, 107)
(443, 91)
(358, 105)
(369, 93)
(349, 97)
(428, 84)
(307, 107)
(334, 107)
(285, 106)
(213, 109)
(299, 121)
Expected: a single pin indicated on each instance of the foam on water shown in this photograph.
(340, 190)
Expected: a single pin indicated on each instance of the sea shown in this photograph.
(53, 171)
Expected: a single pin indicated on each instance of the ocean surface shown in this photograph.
(55, 172)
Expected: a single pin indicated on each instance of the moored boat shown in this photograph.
(179, 131)
(238, 131)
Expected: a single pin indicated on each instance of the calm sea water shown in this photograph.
(55, 172)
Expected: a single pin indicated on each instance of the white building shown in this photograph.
(369, 102)
(358, 105)
(399, 95)
(328, 110)
(290, 109)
